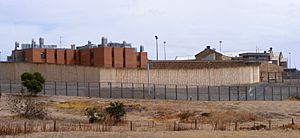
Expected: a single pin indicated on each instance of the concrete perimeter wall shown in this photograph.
(204, 76)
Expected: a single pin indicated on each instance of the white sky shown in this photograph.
(188, 26)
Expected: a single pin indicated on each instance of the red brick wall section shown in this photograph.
(98, 57)
(28, 55)
(78, 58)
(85, 57)
(70, 56)
(130, 58)
(50, 56)
(37, 55)
(60, 58)
(144, 60)
(103, 57)
(107, 57)
(118, 57)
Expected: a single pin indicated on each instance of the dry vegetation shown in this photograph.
(163, 118)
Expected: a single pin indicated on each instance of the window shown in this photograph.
(43, 55)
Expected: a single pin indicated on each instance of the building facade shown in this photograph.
(269, 56)
(209, 54)
(103, 55)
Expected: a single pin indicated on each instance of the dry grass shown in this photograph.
(8, 128)
(159, 116)
(73, 104)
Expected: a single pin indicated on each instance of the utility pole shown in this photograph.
(156, 38)
(165, 54)
(220, 46)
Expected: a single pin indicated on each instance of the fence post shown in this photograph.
(289, 88)
(176, 92)
(229, 93)
(197, 93)
(25, 127)
(1, 88)
(238, 92)
(77, 88)
(219, 93)
(121, 90)
(89, 92)
(66, 88)
(99, 86)
(154, 92)
(296, 88)
(132, 90)
(275, 77)
(196, 124)
(208, 93)
(130, 125)
(280, 93)
(282, 77)
(10, 86)
(246, 93)
(264, 92)
(255, 90)
(44, 89)
(55, 88)
(236, 126)
(268, 76)
(272, 93)
(54, 126)
(270, 125)
(165, 89)
(143, 91)
(174, 126)
(110, 89)
(187, 92)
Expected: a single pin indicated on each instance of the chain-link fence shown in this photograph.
(158, 91)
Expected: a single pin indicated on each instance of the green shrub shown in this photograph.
(109, 115)
(91, 114)
(116, 111)
(33, 82)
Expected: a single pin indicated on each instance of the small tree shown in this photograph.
(33, 82)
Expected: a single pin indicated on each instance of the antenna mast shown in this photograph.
(60, 41)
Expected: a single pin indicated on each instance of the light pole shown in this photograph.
(220, 46)
(148, 75)
(290, 60)
(0, 56)
(156, 38)
(165, 54)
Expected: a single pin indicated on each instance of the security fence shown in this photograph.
(115, 90)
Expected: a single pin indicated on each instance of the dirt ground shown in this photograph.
(165, 134)
(71, 109)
